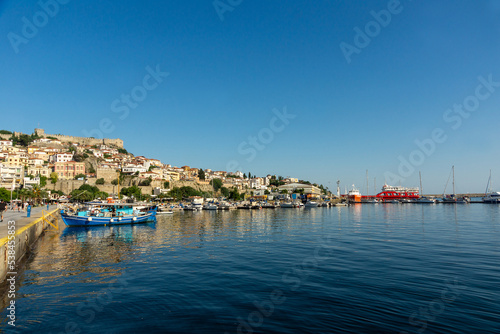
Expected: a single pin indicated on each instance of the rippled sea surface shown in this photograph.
(360, 269)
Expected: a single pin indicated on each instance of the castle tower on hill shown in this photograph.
(40, 132)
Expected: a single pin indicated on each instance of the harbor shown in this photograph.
(249, 167)
(212, 271)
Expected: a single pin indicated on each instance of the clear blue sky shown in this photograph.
(226, 77)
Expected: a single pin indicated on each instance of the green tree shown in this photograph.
(5, 194)
(5, 132)
(183, 192)
(100, 181)
(59, 192)
(81, 195)
(266, 192)
(101, 195)
(114, 182)
(234, 194)
(217, 184)
(43, 181)
(53, 177)
(146, 182)
(122, 151)
(92, 169)
(77, 176)
(225, 192)
(89, 188)
(201, 174)
(166, 184)
(132, 191)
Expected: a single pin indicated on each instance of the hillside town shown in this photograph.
(59, 166)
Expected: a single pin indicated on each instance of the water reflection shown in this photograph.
(381, 263)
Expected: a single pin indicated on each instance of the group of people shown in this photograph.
(18, 205)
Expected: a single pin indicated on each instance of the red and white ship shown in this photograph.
(390, 193)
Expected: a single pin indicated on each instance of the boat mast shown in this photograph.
(367, 182)
(420, 176)
(488, 185)
(453, 168)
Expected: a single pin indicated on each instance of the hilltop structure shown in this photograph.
(71, 139)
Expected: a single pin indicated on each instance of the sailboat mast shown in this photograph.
(488, 185)
(421, 190)
(367, 182)
(453, 180)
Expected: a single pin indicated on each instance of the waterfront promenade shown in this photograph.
(21, 218)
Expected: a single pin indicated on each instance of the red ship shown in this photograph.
(390, 193)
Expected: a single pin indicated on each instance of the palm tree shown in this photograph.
(37, 193)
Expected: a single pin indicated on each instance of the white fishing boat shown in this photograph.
(423, 199)
(160, 213)
(197, 203)
(210, 206)
(392, 201)
(369, 201)
(491, 197)
(311, 204)
(452, 199)
(225, 206)
(291, 205)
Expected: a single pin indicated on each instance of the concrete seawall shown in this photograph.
(27, 232)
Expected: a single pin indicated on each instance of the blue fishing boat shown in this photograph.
(98, 214)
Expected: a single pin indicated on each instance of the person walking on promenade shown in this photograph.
(3, 207)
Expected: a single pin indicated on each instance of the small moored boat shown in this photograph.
(96, 214)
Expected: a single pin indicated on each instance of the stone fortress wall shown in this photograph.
(67, 139)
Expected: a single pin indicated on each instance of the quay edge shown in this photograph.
(25, 237)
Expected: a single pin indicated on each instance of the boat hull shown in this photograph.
(71, 220)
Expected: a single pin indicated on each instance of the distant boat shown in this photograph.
(491, 197)
(392, 201)
(197, 202)
(354, 196)
(370, 201)
(452, 199)
(292, 205)
(225, 206)
(311, 204)
(210, 206)
(423, 199)
(389, 194)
